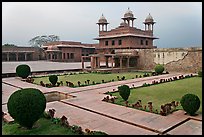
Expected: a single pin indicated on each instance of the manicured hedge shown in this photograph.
(190, 103)
(23, 71)
(26, 106)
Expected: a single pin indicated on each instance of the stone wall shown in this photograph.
(174, 59)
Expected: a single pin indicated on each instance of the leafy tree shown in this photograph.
(124, 92)
(159, 68)
(9, 45)
(38, 41)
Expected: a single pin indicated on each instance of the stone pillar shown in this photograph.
(25, 56)
(152, 27)
(92, 62)
(17, 56)
(99, 28)
(7, 55)
(106, 62)
(128, 23)
(106, 28)
(145, 27)
(128, 62)
(121, 62)
(82, 61)
(132, 23)
(102, 27)
(112, 62)
(98, 62)
(149, 27)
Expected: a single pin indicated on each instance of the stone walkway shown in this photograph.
(88, 111)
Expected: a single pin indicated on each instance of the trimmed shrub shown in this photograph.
(26, 106)
(200, 73)
(53, 79)
(159, 69)
(190, 103)
(124, 92)
(23, 71)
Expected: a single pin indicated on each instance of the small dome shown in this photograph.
(149, 18)
(128, 14)
(123, 24)
(53, 48)
(102, 19)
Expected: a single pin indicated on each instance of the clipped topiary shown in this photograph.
(159, 68)
(26, 106)
(53, 79)
(23, 71)
(190, 103)
(200, 73)
(124, 92)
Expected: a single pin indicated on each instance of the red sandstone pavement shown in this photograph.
(87, 105)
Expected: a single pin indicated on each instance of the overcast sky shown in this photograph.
(177, 24)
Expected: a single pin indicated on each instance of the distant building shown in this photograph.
(67, 51)
(15, 53)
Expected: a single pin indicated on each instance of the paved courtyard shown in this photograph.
(88, 111)
(10, 67)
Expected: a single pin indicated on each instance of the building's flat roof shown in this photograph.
(16, 51)
(70, 46)
(124, 35)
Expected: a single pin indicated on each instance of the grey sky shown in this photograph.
(177, 24)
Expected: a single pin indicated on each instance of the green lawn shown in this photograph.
(43, 127)
(165, 92)
(90, 76)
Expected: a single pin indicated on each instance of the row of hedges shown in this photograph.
(189, 102)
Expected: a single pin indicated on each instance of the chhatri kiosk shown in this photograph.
(118, 48)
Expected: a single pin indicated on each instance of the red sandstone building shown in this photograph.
(125, 36)
(114, 44)
(67, 51)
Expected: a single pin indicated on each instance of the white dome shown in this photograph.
(123, 24)
(149, 18)
(128, 14)
(102, 19)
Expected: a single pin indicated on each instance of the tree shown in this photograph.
(38, 41)
(9, 45)
(124, 92)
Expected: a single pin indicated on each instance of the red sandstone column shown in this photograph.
(102, 27)
(7, 55)
(82, 61)
(106, 28)
(98, 62)
(121, 62)
(16, 56)
(106, 62)
(128, 62)
(92, 60)
(25, 56)
(112, 62)
(132, 23)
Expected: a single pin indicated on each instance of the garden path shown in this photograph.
(88, 111)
